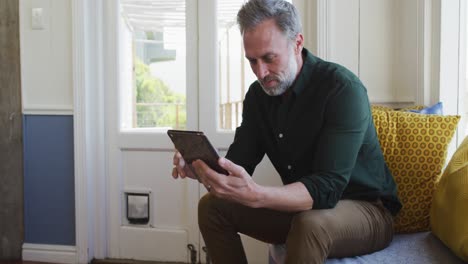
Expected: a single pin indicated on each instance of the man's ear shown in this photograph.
(299, 45)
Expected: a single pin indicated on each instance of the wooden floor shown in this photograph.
(22, 262)
(128, 261)
(100, 261)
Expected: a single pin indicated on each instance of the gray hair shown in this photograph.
(286, 16)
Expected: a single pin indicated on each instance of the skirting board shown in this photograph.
(49, 253)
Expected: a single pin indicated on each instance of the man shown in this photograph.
(313, 120)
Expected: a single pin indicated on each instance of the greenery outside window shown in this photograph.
(157, 29)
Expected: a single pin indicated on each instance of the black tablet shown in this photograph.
(195, 145)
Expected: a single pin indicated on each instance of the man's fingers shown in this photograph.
(176, 158)
(234, 169)
(205, 174)
(175, 173)
(181, 162)
(181, 172)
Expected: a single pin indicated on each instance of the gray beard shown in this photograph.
(279, 89)
(283, 85)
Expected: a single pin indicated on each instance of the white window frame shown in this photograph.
(449, 65)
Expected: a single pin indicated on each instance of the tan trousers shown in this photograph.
(352, 228)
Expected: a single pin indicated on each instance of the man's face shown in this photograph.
(272, 56)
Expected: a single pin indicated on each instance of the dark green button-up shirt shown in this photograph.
(321, 134)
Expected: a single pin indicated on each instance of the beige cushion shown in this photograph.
(449, 212)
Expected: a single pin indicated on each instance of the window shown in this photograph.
(158, 48)
(155, 94)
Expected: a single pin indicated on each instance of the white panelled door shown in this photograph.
(156, 89)
(178, 64)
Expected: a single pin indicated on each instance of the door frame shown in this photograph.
(93, 28)
(89, 129)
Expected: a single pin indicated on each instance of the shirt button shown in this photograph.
(280, 135)
(289, 167)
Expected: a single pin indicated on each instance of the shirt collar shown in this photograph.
(304, 75)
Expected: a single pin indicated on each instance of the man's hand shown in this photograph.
(181, 169)
(238, 186)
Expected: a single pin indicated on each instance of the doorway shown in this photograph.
(178, 65)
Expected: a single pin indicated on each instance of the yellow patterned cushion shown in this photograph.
(381, 107)
(415, 148)
(449, 214)
(413, 107)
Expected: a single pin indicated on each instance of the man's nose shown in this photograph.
(262, 70)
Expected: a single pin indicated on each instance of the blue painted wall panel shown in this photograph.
(49, 196)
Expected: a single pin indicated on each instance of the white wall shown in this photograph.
(46, 59)
(344, 33)
(380, 41)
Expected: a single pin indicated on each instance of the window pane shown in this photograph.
(234, 70)
(159, 63)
